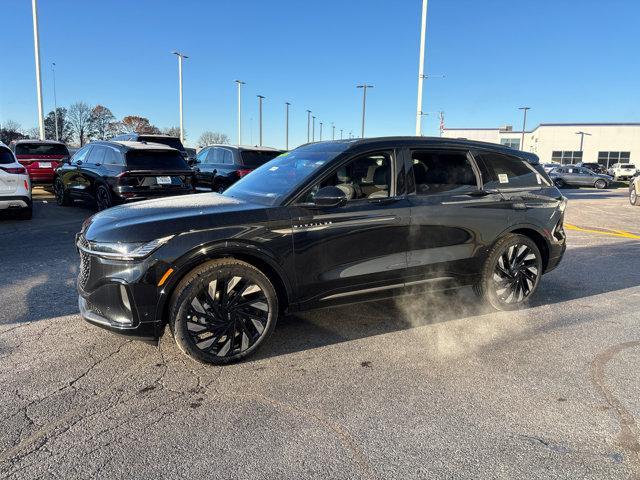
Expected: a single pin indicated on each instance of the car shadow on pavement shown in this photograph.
(584, 272)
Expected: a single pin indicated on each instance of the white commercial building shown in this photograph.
(605, 143)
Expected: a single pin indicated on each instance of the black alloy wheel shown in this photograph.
(103, 198)
(511, 273)
(223, 311)
(62, 197)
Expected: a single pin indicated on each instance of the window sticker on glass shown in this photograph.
(539, 178)
(273, 169)
(502, 177)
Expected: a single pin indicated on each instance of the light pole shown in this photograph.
(260, 98)
(180, 58)
(333, 131)
(524, 125)
(364, 87)
(239, 83)
(341, 134)
(55, 100)
(286, 125)
(423, 33)
(320, 131)
(308, 125)
(313, 129)
(36, 48)
(582, 134)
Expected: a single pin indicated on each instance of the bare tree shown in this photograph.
(33, 132)
(212, 138)
(11, 130)
(102, 122)
(12, 125)
(173, 132)
(79, 118)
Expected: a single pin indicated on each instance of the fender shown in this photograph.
(201, 254)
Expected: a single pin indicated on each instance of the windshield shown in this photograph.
(627, 165)
(273, 181)
(155, 160)
(41, 149)
(255, 158)
(172, 142)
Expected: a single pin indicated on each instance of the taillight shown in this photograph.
(16, 170)
(26, 185)
(243, 171)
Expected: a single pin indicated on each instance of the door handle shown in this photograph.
(383, 200)
(518, 203)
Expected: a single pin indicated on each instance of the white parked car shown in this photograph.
(622, 171)
(15, 185)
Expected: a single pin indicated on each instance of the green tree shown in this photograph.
(103, 124)
(64, 129)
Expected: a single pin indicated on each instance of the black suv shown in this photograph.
(219, 166)
(169, 141)
(327, 223)
(110, 173)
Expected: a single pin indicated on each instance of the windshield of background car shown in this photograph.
(168, 141)
(255, 158)
(275, 180)
(627, 165)
(41, 149)
(156, 160)
(5, 156)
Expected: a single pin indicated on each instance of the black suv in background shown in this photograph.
(169, 141)
(219, 166)
(327, 223)
(110, 173)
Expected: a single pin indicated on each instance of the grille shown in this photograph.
(85, 263)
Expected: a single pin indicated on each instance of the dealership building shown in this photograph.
(605, 143)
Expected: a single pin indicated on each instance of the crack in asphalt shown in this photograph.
(629, 433)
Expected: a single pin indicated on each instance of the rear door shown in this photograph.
(71, 173)
(454, 217)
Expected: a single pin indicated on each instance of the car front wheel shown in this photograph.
(511, 273)
(634, 197)
(600, 184)
(62, 197)
(223, 311)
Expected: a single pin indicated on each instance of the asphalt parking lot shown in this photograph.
(417, 387)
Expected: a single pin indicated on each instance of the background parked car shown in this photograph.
(594, 167)
(173, 142)
(578, 176)
(634, 190)
(110, 173)
(40, 158)
(550, 166)
(191, 154)
(622, 171)
(15, 185)
(219, 166)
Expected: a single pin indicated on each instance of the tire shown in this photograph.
(218, 187)
(634, 197)
(26, 213)
(62, 196)
(225, 330)
(511, 273)
(600, 184)
(560, 183)
(103, 198)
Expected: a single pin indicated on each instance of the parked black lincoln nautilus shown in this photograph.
(327, 223)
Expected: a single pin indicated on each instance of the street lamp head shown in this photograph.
(287, 103)
(240, 82)
(364, 85)
(524, 108)
(260, 96)
(179, 54)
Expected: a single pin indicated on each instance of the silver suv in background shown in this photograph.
(579, 177)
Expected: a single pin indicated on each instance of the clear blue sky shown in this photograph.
(571, 61)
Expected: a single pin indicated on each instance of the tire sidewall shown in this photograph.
(634, 193)
(600, 184)
(109, 200)
(199, 279)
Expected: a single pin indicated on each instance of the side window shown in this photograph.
(366, 176)
(96, 157)
(112, 157)
(227, 158)
(215, 155)
(201, 157)
(510, 172)
(80, 155)
(439, 171)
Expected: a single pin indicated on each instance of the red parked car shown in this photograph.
(40, 158)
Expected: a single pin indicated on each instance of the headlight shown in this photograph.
(124, 251)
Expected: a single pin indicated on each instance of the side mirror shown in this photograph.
(79, 162)
(329, 197)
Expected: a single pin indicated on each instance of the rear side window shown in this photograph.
(442, 171)
(155, 160)
(41, 149)
(255, 158)
(5, 156)
(112, 157)
(510, 172)
(97, 156)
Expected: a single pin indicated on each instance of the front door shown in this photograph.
(358, 248)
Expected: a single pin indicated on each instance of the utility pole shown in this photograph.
(260, 98)
(308, 125)
(524, 125)
(341, 134)
(364, 87)
(55, 100)
(441, 115)
(180, 58)
(333, 131)
(36, 47)
(320, 131)
(421, 76)
(313, 129)
(286, 125)
(240, 83)
(582, 134)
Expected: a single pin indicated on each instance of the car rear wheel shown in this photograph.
(103, 198)
(560, 183)
(223, 311)
(511, 273)
(600, 184)
(62, 197)
(634, 198)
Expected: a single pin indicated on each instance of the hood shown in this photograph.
(150, 219)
